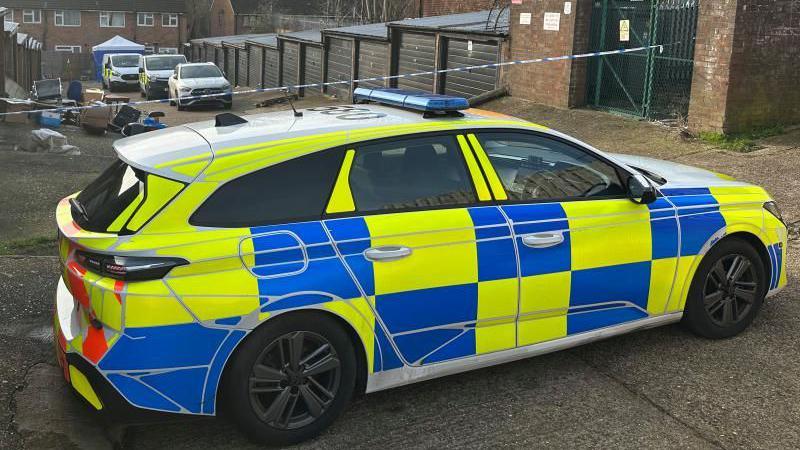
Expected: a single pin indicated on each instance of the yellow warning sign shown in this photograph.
(624, 30)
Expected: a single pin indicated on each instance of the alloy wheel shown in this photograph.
(730, 289)
(294, 380)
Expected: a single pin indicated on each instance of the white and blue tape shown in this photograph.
(660, 48)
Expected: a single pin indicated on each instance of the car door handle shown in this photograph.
(543, 240)
(387, 253)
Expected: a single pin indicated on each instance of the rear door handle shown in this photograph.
(387, 253)
(543, 240)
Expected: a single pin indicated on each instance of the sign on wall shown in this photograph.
(525, 19)
(552, 21)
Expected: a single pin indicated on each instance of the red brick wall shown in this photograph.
(221, 19)
(560, 83)
(441, 7)
(746, 65)
(90, 33)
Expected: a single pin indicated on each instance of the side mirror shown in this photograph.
(640, 190)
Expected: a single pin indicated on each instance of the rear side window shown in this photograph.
(108, 196)
(292, 191)
(407, 174)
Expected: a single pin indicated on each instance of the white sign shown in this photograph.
(567, 8)
(624, 30)
(552, 21)
(469, 46)
(525, 19)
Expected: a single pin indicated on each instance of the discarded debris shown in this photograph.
(45, 140)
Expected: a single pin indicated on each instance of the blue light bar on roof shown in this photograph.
(420, 101)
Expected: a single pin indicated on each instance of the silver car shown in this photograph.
(198, 79)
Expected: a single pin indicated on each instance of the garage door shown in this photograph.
(241, 71)
(417, 54)
(340, 66)
(271, 67)
(219, 57)
(373, 61)
(230, 65)
(210, 54)
(313, 67)
(291, 51)
(465, 53)
(256, 57)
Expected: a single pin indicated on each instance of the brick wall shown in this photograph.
(221, 19)
(746, 65)
(441, 7)
(90, 33)
(561, 83)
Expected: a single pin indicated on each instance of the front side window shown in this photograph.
(112, 19)
(31, 16)
(533, 168)
(144, 19)
(67, 18)
(169, 20)
(292, 191)
(409, 174)
(204, 71)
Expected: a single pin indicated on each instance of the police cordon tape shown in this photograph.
(660, 47)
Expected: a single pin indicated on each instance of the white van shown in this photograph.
(120, 70)
(154, 73)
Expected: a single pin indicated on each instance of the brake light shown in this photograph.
(128, 268)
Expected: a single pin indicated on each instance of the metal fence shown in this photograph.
(67, 66)
(652, 84)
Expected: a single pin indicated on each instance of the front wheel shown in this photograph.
(290, 379)
(727, 291)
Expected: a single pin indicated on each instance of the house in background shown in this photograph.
(230, 17)
(75, 26)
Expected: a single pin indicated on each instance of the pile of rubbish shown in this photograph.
(49, 141)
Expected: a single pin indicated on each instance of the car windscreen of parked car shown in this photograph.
(200, 72)
(164, 62)
(125, 60)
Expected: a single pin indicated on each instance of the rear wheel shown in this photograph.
(727, 291)
(291, 379)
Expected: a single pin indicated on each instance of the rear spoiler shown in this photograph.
(177, 153)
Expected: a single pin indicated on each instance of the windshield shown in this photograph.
(106, 197)
(125, 60)
(164, 62)
(200, 72)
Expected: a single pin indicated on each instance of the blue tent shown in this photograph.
(117, 44)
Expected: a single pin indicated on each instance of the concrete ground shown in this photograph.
(653, 389)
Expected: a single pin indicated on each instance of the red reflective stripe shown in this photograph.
(77, 288)
(95, 346)
(119, 286)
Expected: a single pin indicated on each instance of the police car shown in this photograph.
(270, 267)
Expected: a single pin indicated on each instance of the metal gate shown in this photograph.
(652, 83)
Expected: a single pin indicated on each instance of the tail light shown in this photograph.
(128, 268)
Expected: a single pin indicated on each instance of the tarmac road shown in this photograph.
(653, 389)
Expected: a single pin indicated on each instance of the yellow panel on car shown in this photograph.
(608, 232)
(82, 385)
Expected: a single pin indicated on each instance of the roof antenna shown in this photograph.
(289, 99)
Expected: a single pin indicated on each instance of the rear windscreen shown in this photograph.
(164, 62)
(108, 196)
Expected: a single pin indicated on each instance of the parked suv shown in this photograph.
(196, 79)
(119, 70)
(154, 73)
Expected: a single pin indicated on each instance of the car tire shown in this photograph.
(295, 409)
(724, 300)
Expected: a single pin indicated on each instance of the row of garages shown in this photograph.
(20, 56)
(368, 51)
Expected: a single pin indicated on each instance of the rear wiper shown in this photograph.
(76, 205)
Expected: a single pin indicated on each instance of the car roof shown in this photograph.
(160, 151)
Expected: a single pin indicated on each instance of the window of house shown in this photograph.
(292, 191)
(533, 167)
(251, 21)
(168, 50)
(68, 48)
(31, 16)
(67, 18)
(412, 173)
(144, 19)
(112, 19)
(169, 20)
(9, 17)
(149, 49)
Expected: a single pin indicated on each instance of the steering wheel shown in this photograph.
(597, 187)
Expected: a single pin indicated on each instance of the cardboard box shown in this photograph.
(95, 120)
(16, 106)
(93, 95)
